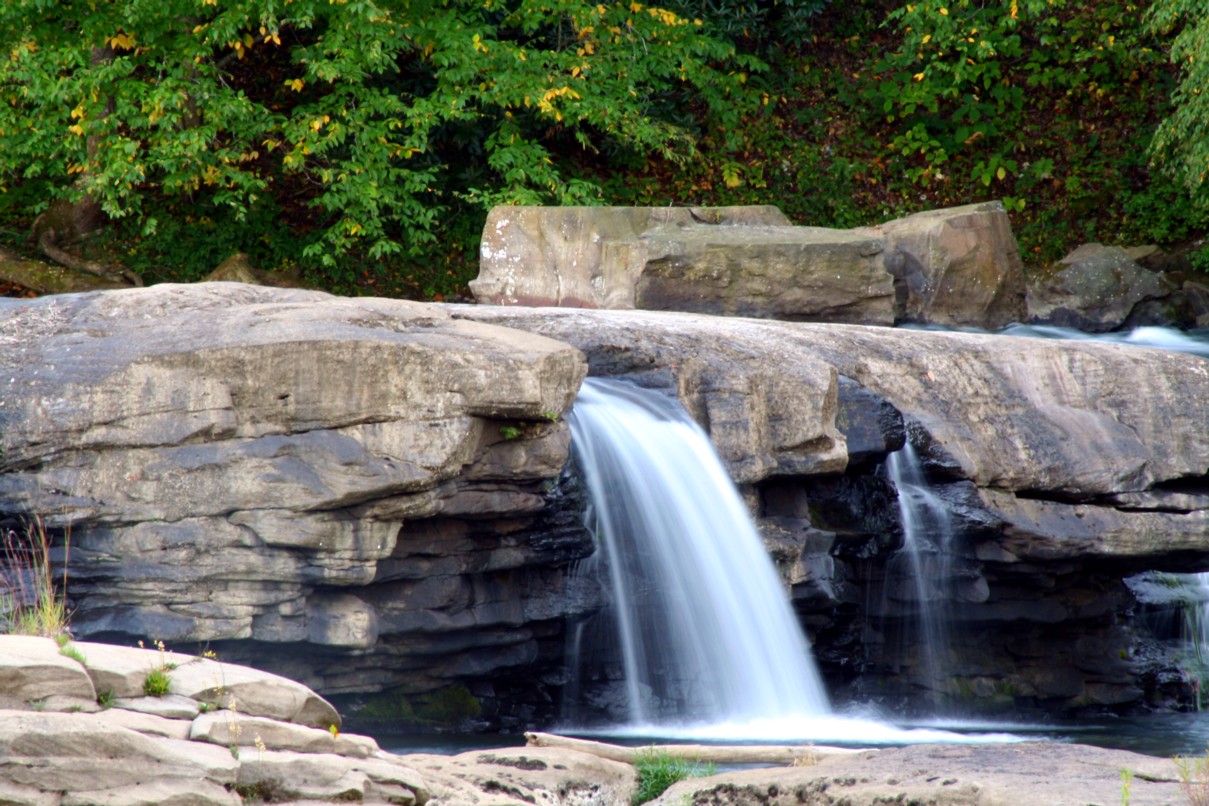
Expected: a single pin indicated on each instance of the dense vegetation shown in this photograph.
(363, 141)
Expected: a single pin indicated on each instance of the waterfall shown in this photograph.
(706, 631)
(927, 532)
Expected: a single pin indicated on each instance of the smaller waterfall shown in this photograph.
(706, 630)
(927, 533)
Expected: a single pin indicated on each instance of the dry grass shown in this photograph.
(30, 602)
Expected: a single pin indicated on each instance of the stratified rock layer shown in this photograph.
(284, 467)
(958, 266)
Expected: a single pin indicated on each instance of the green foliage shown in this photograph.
(448, 706)
(1200, 259)
(1181, 144)
(70, 650)
(658, 770)
(764, 23)
(385, 120)
(30, 603)
(963, 73)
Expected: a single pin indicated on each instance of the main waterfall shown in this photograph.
(705, 626)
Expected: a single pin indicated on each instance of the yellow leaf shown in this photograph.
(927, 38)
(1001, 173)
(918, 76)
(76, 129)
(296, 85)
(944, 12)
(120, 41)
(635, 6)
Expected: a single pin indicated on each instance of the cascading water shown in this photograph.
(703, 620)
(710, 646)
(927, 531)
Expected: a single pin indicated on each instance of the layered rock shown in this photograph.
(366, 495)
(1060, 476)
(952, 267)
(336, 478)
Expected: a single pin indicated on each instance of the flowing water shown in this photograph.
(703, 620)
(927, 531)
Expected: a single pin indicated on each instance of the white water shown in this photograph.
(703, 619)
(927, 531)
(711, 647)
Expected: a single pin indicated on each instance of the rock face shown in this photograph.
(367, 495)
(320, 480)
(958, 267)
(1060, 479)
(951, 267)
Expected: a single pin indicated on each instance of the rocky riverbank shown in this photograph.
(78, 728)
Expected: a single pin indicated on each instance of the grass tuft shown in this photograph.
(658, 770)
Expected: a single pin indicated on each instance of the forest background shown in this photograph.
(360, 143)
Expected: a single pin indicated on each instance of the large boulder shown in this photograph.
(957, 266)
(580, 257)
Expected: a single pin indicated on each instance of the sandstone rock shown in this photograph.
(1094, 288)
(150, 724)
(122, 671)
(57, 752)
(169, 706)
(33, 669)
(516, 776)
(230, 728)
(977, 775)
(222, 450)
(156, 792)
(290, 775)
(796, 273)
(252, 692)
(579, 256)
(958, 266)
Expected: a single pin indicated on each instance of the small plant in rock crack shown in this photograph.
(157, 682)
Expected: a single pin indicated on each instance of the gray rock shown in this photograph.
(1094, 288)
